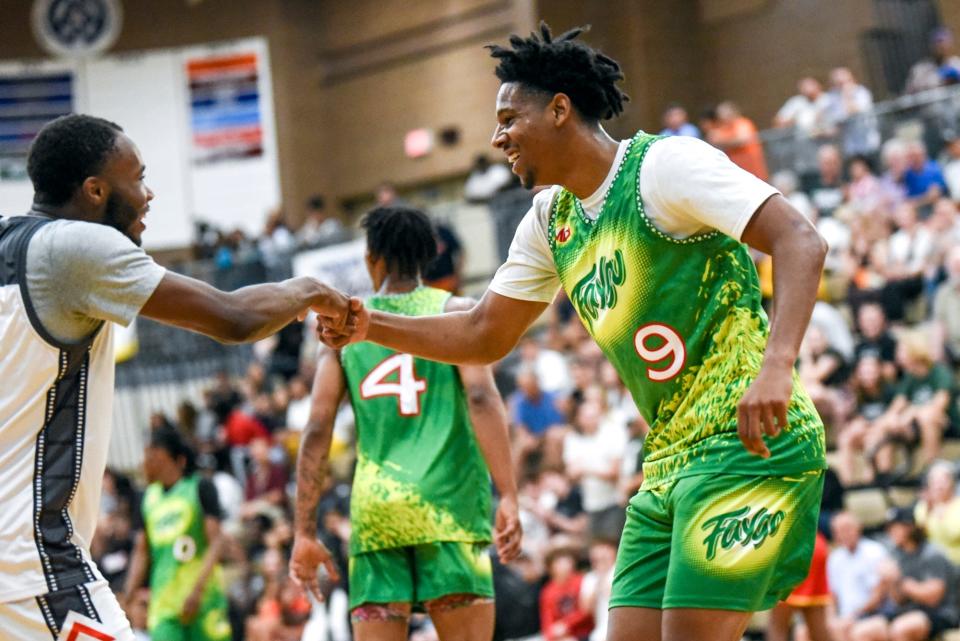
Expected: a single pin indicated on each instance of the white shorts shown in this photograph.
(88, 612)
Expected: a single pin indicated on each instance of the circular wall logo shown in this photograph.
(76, 27)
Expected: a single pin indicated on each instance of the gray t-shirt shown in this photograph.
(80, 274)
(928, 562)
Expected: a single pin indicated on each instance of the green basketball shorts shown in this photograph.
(725, 542)
(210, 624)
(420, 573)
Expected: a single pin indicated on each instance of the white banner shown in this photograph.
(341, 266)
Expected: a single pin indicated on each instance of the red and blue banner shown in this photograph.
(225, 110)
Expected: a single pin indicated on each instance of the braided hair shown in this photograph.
(401, 236)
(560, 65)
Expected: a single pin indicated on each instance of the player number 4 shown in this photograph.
(666, 344)
(407, 387)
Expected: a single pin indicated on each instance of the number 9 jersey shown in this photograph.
(682, 322)
(420, 475)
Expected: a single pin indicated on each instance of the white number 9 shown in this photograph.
(672, 346)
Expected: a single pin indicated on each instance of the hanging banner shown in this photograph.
(28, 101)
(225, 112)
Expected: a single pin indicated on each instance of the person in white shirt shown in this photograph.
(852, 573)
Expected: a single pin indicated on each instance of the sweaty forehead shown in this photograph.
(125, 157)
(514, 96)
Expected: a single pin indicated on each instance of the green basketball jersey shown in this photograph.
(681, 321)
(420, 476)
(173, 520)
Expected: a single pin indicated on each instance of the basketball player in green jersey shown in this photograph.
(180, 546)
(647, 237)
(420, 506)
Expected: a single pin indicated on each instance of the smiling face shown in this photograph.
(527, 130)
(127, 195)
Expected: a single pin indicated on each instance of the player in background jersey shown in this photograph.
(180, 546)
(644, 235)
(420, 505)
(69, 269)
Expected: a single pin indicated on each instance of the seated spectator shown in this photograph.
(909, 253)
(266, 480)
(946, 309)
(809, 599)
(538, 424)
(918, 586)
(875, 340)
(850, 109)
(806, 113)
(298, 407)
(894, 158)
(938, 511)
(736, 135)
(677, 123)
(561, 617)
(872, 397)
(485, 180)
(786, 182)
(923, 178)
(951, 167)
(865, 191)
(319, 227)
(549, 505)
(822, 370)
(944, 229)
(941, 68)
(826, 189)
(852, 574)
(923, 407)
(597, 583)
(517, 587)
(592, 454)
(550, 366)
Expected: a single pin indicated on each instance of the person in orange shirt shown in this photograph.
(737, 136)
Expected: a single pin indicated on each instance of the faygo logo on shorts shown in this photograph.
(742, 527)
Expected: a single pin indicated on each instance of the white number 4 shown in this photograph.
(672, 346)
(407, 388)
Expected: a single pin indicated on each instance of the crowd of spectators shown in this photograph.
(880, 361)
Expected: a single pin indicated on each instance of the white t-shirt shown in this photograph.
(596, 453)
(687, 187)
(853, 575)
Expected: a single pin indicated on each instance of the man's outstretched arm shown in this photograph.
(798, 252)
(247, 314)
(480, 336)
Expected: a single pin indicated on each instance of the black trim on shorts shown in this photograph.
(55, 607)
(58, 462)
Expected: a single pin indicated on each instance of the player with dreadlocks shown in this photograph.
(648, 237)
(420, 505)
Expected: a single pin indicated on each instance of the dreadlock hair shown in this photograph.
(66, 152)
(559, 65)
(172, 440)
(403, 237)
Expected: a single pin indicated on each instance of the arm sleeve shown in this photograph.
(529, 273)
(102, 273)
(690, 186)
(209, 500)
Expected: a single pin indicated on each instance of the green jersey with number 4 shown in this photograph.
(173, 520)
(681, 321)
(420, 477)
